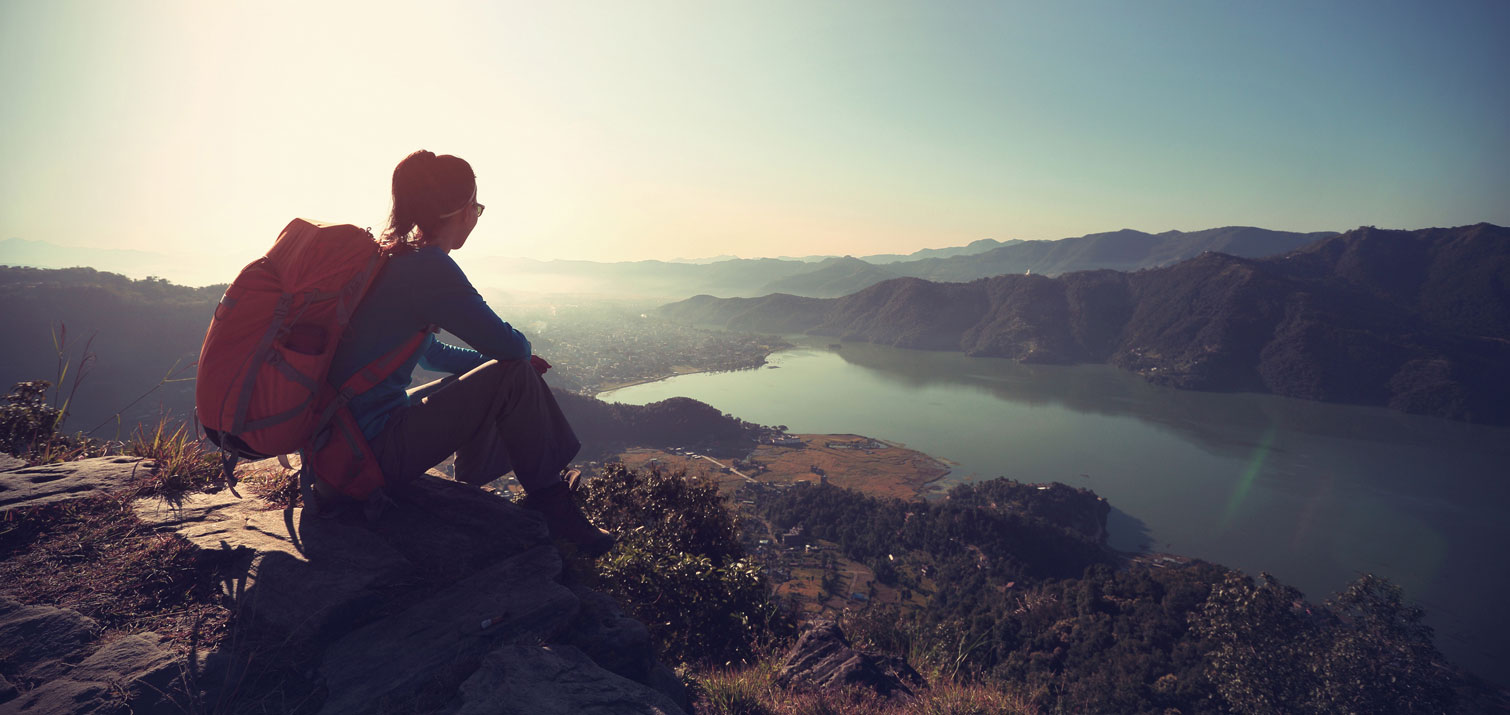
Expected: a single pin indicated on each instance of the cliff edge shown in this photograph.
(451, 600)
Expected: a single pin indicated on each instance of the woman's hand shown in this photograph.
(539, 364)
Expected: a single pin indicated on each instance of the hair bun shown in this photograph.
(418, 158)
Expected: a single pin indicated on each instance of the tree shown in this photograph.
(1380, 656)
(679, 567)
(1261, 638)
(1364, 651)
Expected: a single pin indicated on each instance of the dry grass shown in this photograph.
(94, 556)
(753, 691)
(273, 483)
(181, 461)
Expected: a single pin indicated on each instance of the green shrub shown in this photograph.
(30, 428)
(679, 567)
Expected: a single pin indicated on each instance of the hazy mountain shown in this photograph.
(647, 279)
(974, 247)
(188, 270)
(832, 278)
(659, 281)
(1416, 320)
(138, 331)
(40, 254)
(1124, 250)
(703, 261)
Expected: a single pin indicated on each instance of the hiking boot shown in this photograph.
(566, 520)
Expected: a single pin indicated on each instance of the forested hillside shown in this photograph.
(1414, 320)
(1018, 590)
(137, 332)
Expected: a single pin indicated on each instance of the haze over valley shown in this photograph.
(1415, 320)
(1010, 357)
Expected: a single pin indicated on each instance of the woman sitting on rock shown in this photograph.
(495, 412)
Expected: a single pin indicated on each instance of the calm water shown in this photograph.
(1311, 493)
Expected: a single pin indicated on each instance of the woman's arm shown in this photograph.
(446, 298)
(444, 357)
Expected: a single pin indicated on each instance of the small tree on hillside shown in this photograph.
(679, 566)
(1364, 651)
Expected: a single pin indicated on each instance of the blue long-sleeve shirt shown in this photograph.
(415, 290)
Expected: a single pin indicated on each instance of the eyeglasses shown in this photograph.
(470, 203)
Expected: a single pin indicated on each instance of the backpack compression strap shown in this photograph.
(378, 370)
(363, 380)
(373, 373)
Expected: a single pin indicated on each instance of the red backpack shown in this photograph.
(262, 387)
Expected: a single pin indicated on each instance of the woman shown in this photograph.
(499, 414)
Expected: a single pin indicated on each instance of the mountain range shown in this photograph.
(835, 276)
(1417, 321)
(812, 276)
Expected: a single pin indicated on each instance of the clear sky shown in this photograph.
(660, 129)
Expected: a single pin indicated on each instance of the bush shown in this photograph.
(679, 567)
(29, 427)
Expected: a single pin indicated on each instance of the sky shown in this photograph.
(656, 129)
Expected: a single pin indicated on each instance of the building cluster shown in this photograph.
(857, 444)
(782, 440)
(592, 355)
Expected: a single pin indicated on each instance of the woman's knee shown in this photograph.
(502, 368)
(507, 375)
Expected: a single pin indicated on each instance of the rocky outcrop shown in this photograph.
(822, 659)
(450, 600)
(77, 670)
(21, 485)
(552, 680)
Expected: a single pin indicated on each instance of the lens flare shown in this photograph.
(1245, 483)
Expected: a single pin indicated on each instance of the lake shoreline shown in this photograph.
(1312, 492)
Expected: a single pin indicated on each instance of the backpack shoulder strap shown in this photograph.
(378, 370)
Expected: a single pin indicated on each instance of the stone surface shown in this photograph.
(554, 680)
(48, 483)
(9, 463)
(298, 575)
(408, 654)
(67, 697)
(370, 610)
(133, 674)
(37, 639)
(621, 645)
(450, 529)
(822, 659)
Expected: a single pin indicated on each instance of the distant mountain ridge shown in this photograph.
(1415, 320)
(970, 249)
(813, 276)
(1124, 250)
(832, 278)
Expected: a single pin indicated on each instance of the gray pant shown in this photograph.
(499, 416)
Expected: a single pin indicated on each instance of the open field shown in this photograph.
(852, 462)
(799, 571)
(845, 460)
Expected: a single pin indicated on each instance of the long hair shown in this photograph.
(425, 186)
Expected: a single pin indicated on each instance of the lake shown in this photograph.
(1312, 493)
